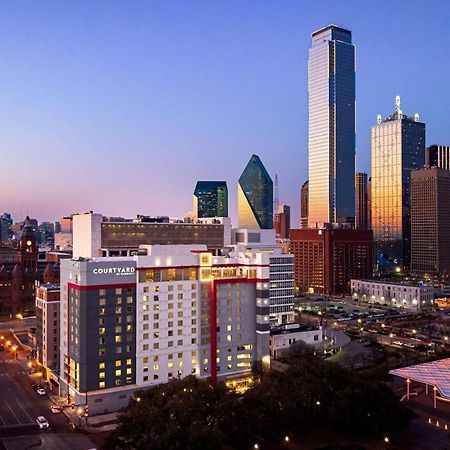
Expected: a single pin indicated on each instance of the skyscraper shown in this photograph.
(304, 205)
(255, 196)
(438, 156)
(430, 218)
(361, 218)
(331, 89)
(398, 146)
(210, 199)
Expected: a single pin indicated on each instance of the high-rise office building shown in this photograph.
(282, 222)
(304, 205)
(398, 146)
(430, 219)
(210, 199)
(326, 259)
(369, 203)
(438, 156)
(255, 196)
(331, 89)
(361, 218)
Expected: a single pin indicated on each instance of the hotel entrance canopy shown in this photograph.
(436, 373)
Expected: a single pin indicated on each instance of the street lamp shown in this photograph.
(386, 441)
(286, 439)
(256, 446)
(79, 411)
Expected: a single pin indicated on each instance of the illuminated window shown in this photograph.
(118, 363)
(129, 371)
(129, 361)
(101, 375)
(101, 385)
(102, 302)
(102, 330)
(119, 329)
(118, 339)
(118, 372)
(101, 365)
(170, 365)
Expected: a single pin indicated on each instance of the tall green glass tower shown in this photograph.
(255, 196)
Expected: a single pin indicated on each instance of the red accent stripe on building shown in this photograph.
(213, 330)
(96, 287)
(196, 266)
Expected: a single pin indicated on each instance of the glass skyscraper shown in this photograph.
(398, 146)
(255, 196)
(210, 199)
(331, 89)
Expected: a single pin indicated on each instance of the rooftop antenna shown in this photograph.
(398, 109)
(276, 200)
(379, 120)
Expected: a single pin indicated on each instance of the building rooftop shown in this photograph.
(396, 283)
(293, 328)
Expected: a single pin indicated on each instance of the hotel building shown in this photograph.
(129, 323)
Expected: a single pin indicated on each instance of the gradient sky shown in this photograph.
(121, 106)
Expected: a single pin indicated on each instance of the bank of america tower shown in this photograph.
(331, 91)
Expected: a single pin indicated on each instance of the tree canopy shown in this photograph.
(193, 414)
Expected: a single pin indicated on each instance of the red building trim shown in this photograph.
(96, 287)
(196, 266)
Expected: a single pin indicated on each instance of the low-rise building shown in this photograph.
(283, 336)
(396, 295)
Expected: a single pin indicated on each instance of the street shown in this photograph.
(20, 405)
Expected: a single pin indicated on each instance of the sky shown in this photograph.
(121, 106)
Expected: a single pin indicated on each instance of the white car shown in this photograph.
(56, 409)
(42, 422)
(41, 391)
(398, 342)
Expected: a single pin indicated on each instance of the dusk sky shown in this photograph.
(120, 107)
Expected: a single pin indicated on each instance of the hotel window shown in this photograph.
(156, 334)
(101, 352)
(118, 372)
(156, 307)
(156, 325)
(101, 365)
(155, 377)
(101, 385)
(145, 288)
(194, 361)
(170, 356)
(118, 382)
(145, 336)
(102, 291)
(155, 288)
(170, 333)
(102, 330)
(145, 317)
(129, 328)
(145, 360)
(101, 375)
(102, 302)
(180, 287)
(170, 344)
(170, 365)
(170, 324)
(118, 291)
(101, 321)
(180, 342)
(180, 323)
(118, 363)
(118, 310)
(118, 339)
(102, 311)
(170, 375)
(180, 296)
(119, 319)
(170, 305)
(118, 350)
(156, 298)
(129, 361)
(193, 330)
(155, 346)
(155, 316)
(180, 314)
(118, 301)
(170, 297)
(129, 348)
(129, 319)
(155, 358)
(180, 332)
(102, 341)
(170, 287)
(129, 299)
(119, 329)
(128, 380)
(180, 304)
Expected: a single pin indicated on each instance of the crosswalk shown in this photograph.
(13, 412)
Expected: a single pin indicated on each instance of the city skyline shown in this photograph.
(131, 92)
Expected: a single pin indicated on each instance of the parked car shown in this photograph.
(41, 391)
(398, 343)
(56, 409)
(42, 422)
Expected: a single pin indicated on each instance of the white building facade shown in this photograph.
(395, 295)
